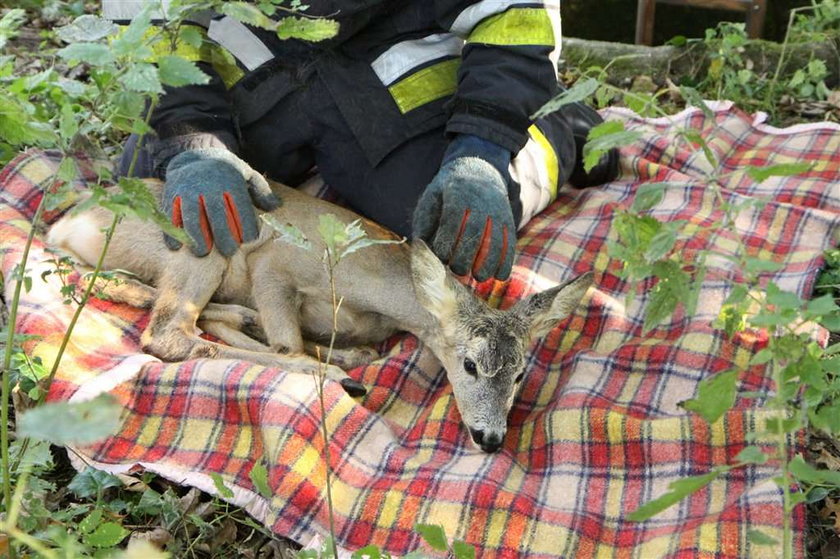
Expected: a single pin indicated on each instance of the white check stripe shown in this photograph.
(128, 9)
(400, 58)
(472, 16)
(239, 41)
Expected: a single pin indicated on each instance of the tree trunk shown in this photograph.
(624, 62)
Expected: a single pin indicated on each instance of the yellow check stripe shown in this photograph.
(517, 26)
(426, 85)
(550, 158)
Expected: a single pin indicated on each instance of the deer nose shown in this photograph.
(489, 443)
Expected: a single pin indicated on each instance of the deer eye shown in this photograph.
(519, 378)
(469, 366)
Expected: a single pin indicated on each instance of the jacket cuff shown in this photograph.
(498, 133)
(164, 150)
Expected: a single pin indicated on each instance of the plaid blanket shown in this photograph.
(595, 432)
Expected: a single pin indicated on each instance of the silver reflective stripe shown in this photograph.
(239, 41)
(404, 56)
(472, 16)
(128, 9)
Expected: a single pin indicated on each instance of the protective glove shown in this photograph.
(581, 119)
(465, 215)
(211, 194)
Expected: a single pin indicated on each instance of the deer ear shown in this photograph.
(435, 288)
(545, 309)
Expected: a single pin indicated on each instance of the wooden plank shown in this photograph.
(755, 19)
(733, 5)
(645, 14)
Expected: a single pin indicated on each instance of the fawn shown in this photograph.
(385, 288)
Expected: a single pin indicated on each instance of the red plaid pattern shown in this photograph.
(595, 432)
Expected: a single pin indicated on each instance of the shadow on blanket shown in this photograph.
(595, 432)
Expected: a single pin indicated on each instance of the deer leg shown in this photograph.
(344, 357)
(231, 336)
(277, 304)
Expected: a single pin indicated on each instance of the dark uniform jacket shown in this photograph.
(397, 68)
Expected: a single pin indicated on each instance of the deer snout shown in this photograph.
(489, 442)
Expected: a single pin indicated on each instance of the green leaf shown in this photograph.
(131, 41)
(817, 494)
(333, 233)
(778, 426)
(92, 482)
(660, 245)
(823, 305)
(94, 54)
(91, 521)
(679, 490)
(581, 90)
(177, 71)
(752, 455)
(601, 143)
(693, 98)
(9, 24)
(605, 128)
(462, 550)
(648, 195)
(433, 535)
(783, 300)
(694, 136)
(715, 395)
(288, 233)
(757, 537)
(67, 125)
(763, 356)
(259, 477)
(247, 13)
(64, 423)
(305, 29)
(357, 239)
(803, 471)
(761, 174)
(223, 490)
(37, 455)
(108, 534)
(369, 551)
(669, 291)
(86, 28)
(142, 77)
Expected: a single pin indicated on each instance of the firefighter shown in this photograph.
(416, 113)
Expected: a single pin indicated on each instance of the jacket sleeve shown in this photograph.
(508, 68)
(193, 116)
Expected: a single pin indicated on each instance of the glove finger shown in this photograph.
(494, 255)
(427, 216)
(458, 240)
(224, 223)
(172, 208)
(506, 261)
(197, 224)
(261, 194)
(171, 242)
(239, 205)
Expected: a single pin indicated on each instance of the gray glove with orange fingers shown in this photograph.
(211, 194)
(465, 214)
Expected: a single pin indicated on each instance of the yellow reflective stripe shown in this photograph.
(183, 49)
(225, 65)
(550, 158)
(426, 85)
(517, 26)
